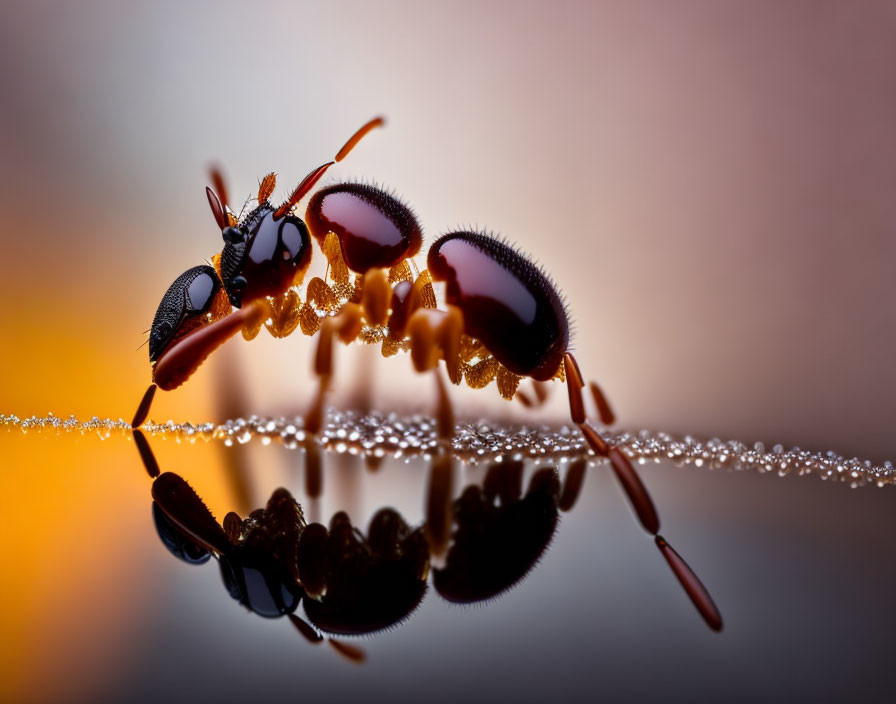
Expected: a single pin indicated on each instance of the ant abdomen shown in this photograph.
(375, 229)
(507, 302)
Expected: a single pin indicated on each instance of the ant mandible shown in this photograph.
(504, 319)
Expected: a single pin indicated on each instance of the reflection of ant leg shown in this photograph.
(146, 454)
(572, 485)
(439, 491)
(312, 635)
(635, 490)
(541, 393)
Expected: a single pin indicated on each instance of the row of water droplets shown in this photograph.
(407, 436)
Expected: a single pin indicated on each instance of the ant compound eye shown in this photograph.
(232, 235)
(295, 241)
(201, 291)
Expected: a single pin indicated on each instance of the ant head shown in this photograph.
(184, 307)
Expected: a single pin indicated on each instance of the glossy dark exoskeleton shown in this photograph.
(375, 229)
(507, 302)
(257, 581)
(177, 543)
(186, 300)
(263, 255)
(360, 585)
(498, 535)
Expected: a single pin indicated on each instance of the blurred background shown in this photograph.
(710, 183)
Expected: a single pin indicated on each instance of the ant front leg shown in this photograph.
(177, 363)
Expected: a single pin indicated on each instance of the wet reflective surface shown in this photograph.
(530, 592)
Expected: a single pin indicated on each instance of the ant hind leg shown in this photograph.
(635, 490)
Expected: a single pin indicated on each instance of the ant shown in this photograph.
(504, 319)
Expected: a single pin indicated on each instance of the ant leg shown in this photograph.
(180, 360)
(146, 454)
(434, 333)
(314, 176)
(607, 417)
(143, 408)
(438, 503)
(504, 481)
(574, 385)
(349, 652)
(323, 369)
(314, 473)
(692, 585)
(541, 395)
(376, 295)
(625, 473)
(349, 323)
(524, 398)
(347, 326)
(445, 411)
(251, 329)
(450, 331)
(640, 500)
(572, 485)
(421, 329)
(311, 635)
(352, 653)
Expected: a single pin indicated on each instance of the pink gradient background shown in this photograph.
(710, 183)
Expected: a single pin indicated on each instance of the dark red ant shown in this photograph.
(504, 319)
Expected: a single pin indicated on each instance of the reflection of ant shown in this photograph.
(352, 584)
(504, 320)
